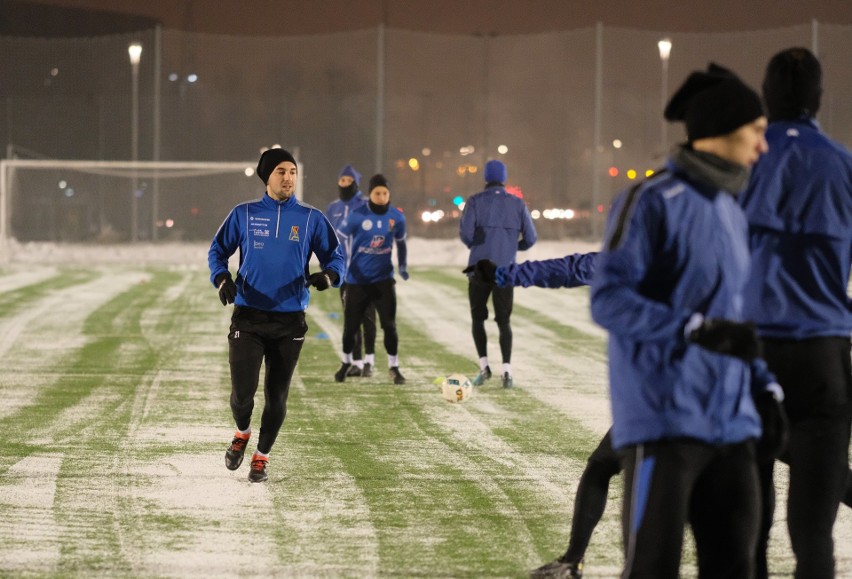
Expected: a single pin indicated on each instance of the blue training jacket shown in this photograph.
(495, 225)
(674, 247)
(570, 271)
(337, 213)
(276, 240)
(372, 237)
(799, 210)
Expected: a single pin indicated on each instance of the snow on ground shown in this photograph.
(421, 252)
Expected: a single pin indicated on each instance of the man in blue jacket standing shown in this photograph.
(799, 210)
(495, 225)
(276, 236)
(350, 199)
(668, 287)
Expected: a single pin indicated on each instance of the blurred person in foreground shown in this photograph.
(494, 225)
(276, 236)
(799, 210)
(668, 288)
(349, 199)
(371, 231)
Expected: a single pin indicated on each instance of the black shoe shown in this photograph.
(394, 373)
(235, 452)
(367, 371)
(507, 380)
(258, 469)
(559, 569)
(484, 374)
(340, 375)
(354, 371)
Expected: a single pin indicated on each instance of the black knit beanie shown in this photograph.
(792, 87)
(378, 180)
(713, 103)
(270, 159)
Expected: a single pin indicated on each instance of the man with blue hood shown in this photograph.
(349, 199)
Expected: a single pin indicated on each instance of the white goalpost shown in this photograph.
(82, 201)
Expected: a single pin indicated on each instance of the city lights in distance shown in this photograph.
(426, 151)
(502, 149)
(617, 143)
(432, 216)
(249, 171)
(191, 77)
(458, 200)
(467, 150)
(613, 171)
(63, 184)
(649, 172)
(414, 164)
(535, 214)
(631, 174)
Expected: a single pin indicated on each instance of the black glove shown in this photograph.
(483, 271)
(322, 280)
(227, 288)
(736, 339)
(776, 426)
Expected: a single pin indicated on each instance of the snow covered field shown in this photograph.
(121, 349)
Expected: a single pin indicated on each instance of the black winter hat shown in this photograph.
(792, 87)
(713, 103)
(378, 180)
(270, 159)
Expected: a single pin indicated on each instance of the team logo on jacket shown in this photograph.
(391, 223)
(377, 241)
(366, 225)
(294, 233)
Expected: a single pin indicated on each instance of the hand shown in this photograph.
(776, 426)
(483, 271)
(227, 289)
(403, 272)
(736, 339)
(322, 280)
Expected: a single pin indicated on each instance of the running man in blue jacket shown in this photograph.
(351, 198)
(668, 288)
(371, 231)
(276, 236)
(799, 210)
(495, 225)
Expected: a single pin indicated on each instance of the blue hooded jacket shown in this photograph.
(276, 240)
(799, 209)
(496, 225)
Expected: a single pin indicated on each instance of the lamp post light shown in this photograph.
(135, 53)
(665, 46)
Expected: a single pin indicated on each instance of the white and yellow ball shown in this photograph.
(456, 388)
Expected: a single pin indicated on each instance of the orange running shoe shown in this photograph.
(235, 452)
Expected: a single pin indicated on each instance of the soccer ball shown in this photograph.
(456, 388)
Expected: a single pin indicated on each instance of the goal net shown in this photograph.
(120, 201)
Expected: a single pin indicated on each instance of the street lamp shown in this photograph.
(665, 46)
(135, 53)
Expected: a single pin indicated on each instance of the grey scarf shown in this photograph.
(713, 170)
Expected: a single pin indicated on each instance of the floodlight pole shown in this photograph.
(665, 47)
(135, 53)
